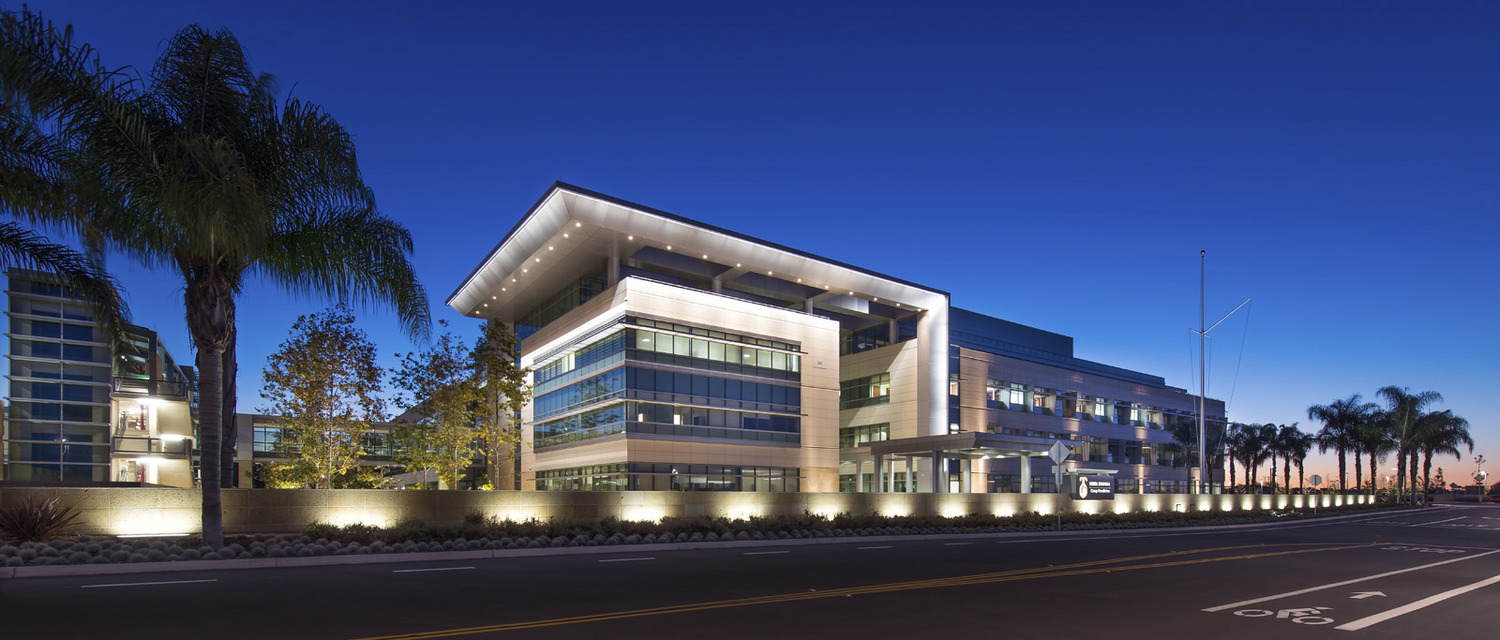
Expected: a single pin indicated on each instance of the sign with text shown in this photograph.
(1093, 488)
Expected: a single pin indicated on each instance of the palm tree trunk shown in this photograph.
(1426, 472)
(1412, 469)
(1374, 474)
(1359, 474)
(1231, 475)
(210, 306)
(1286, 474)
(230, 428)
(1343, 473)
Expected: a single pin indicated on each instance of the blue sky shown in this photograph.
(1055, 164)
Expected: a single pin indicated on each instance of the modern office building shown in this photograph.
(669, 354)
(79, 410)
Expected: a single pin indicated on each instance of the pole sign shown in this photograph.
(1094, 488)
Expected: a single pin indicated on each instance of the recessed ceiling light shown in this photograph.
(502, 288)
(577, 224)
(669, 247)
(629, 237)
(525, 271)
(799, 279)
(486, 304)
(549, 247)
(538, 259)
(565, 234)
(493, 297)
(705, 256)
(769, 273)
(512, 279)
(736, 265)
(877, 299)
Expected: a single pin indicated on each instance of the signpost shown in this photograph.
(1058, 453)
(1315, 480)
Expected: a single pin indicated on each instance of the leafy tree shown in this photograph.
(1374, 439)
(1341, 420)
(1299, 444)
(1258, 450)
(440, 394)
(325, 385)
(1235, 440)
(199, 167)
(504, 391)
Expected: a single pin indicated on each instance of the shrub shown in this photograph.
(31, 521)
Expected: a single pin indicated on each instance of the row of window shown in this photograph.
(850, 437)
(645, 476)
(58, 371)
(1015, 396)
(58, 351)
(710, 333)
(863, 392)
(43, 329)
(693, 389)
(22, 410)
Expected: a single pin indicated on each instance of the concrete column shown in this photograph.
(911, 475)
(893, 328)
(718, 286)
(891, 475)
(879, 472)
(965, 469)
(613, 268)
(1025, 473)
(939, 473)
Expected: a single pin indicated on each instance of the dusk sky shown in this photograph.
(1054, 164)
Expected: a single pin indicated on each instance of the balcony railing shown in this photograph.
(127, 445)
(153, 387)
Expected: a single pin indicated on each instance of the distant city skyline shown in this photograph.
(1057, 165)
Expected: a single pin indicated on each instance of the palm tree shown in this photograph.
(1340, 423)
(200, 168)
(1299, 446)
(1235, 440)
(1404, 409)
(32, 188)
(1440, 433)
(1288, 439)
(1258, 450)
(1374, 439)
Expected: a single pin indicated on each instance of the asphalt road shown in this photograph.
(1413, 574)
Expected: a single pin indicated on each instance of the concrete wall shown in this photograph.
(145, 510)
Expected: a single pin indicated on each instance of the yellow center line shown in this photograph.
(1075, 569)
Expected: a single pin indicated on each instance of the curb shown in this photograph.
(57, 571)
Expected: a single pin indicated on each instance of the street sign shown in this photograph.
(1058, 452)
(1094, 488)
(1315, 480)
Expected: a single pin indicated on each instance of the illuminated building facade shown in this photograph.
(80, 410)
(668, 354)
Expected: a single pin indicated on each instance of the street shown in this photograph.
(1406, 574)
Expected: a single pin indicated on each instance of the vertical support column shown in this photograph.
(932, 362)
(613, 268)
(939, 472)
(1025, 473)
(965, 470)
(911, 475)
(893, 327)
(890, 475)
(879, 472)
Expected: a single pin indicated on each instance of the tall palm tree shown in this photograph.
(1403, 410)
(1235, 440)
(1288, 439)
(1374, 440)
(33, 189)
(1440, 433)
(1341, 419)
(1299, 445)
(1258, 450)
(200, 168)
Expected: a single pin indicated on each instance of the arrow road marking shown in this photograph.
(1361, 595)
(1299, 592)
(1423, 603)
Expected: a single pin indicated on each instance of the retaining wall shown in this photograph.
(144, 510)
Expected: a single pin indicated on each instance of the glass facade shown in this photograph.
(664, 380)
(863, 392)
(645, 476)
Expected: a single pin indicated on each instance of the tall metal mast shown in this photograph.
(1202, 373)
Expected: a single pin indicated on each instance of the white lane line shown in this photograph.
(626, 559)
(1340, 584)
(426, 570)
(764, 553)
(879, 547)
(141, 584)
(1424, 524)
(1424, 602)
(956, 544)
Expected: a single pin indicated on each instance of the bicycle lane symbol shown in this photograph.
(1305, 615)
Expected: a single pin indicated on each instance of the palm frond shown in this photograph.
(25, 249)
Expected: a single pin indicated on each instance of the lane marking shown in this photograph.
(1425, 524)
(435, 569)
(1081, 568)
(764, 553)
(956, 544)
(1420, 604)
(879, 547)
(141, 584)
(1340, 584)
(626, 559)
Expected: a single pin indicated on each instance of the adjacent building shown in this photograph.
(668, 354)
(80, 409)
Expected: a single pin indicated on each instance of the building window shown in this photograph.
(850, 437)
(863, 392)
(1017, 395)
